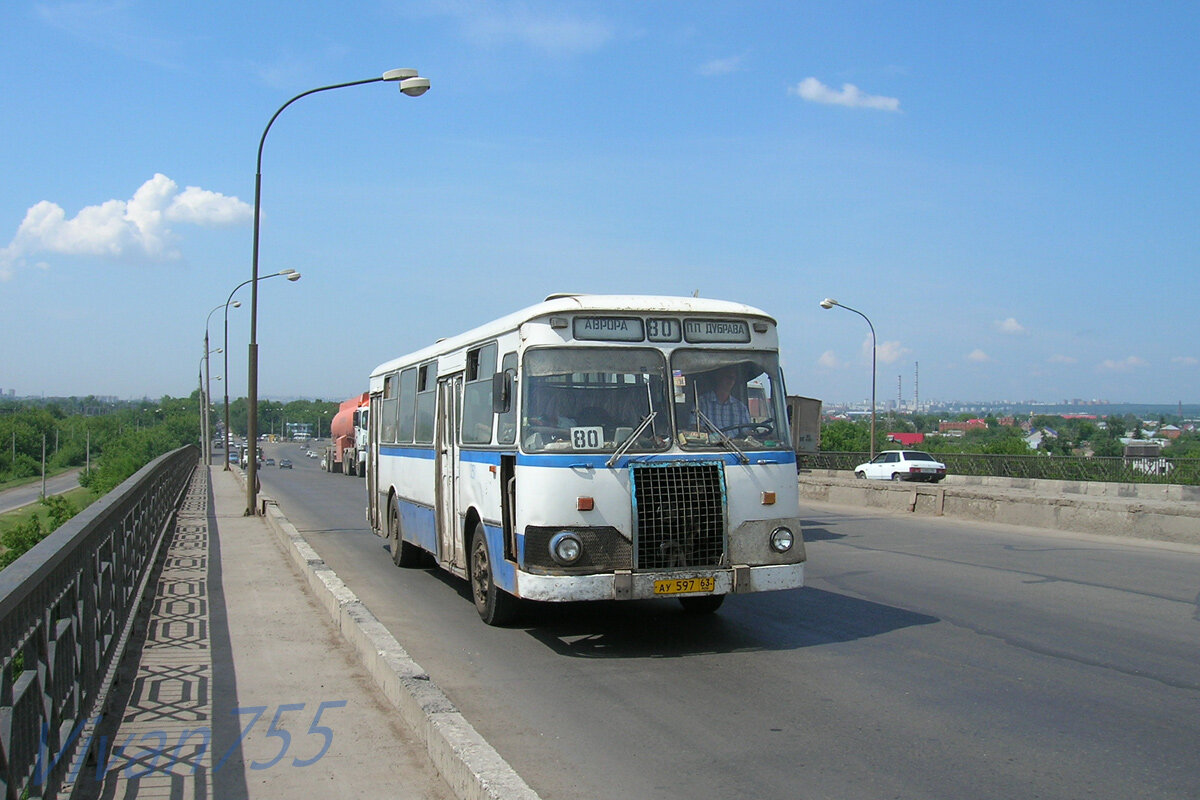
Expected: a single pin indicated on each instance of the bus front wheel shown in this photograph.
(495, 606)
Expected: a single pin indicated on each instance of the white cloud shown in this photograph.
(1010, 326)
(977, 356)
(197, 206)
(887, 352)
(1061, 359)
(539, 25)
(1186, 361)
(1111, 365)
(138, 229)
(722, 66)
(828, 360)
(814, 91)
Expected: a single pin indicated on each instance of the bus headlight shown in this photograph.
(566, 548)
(782, 540)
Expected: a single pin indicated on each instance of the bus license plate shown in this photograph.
(685, 585)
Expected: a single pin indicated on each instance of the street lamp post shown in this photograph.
(205, 377)
(225, 433)
(828, 303)
(207, 401)
(292, 276)
(206, 426)
(412, 85)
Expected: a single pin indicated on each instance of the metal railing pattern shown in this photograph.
(1117, 469)
(66, 607)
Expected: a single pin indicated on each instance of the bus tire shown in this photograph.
(404, 554)
(495, 606)
(702, 605)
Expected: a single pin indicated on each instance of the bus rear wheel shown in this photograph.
(404, 554)
(495, 606)
(706, 604)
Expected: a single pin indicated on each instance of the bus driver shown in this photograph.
(719, 405)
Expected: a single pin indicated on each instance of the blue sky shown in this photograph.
(1008, 190)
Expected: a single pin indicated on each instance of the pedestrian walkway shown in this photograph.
(237, 685)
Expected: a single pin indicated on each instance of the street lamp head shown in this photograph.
(288, 271)
(414, 87)
(411, 83)
(295, 276)
(236, 304)
(828, 302)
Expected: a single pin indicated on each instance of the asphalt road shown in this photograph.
(19, 496)
(924, 659)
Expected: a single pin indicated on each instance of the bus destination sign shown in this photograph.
(610, 329)
(716, 330)
(661, 329)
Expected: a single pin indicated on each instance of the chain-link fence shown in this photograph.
(1183, 471)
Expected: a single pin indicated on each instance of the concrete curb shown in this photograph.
(470, 766)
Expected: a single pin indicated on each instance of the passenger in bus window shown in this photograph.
(560, 410)
(724, 410)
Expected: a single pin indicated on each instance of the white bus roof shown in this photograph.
(565, 303)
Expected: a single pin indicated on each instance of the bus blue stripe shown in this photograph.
(426, 453)
(569, 461)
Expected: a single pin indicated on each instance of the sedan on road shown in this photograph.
(902, 465)
(285, 463)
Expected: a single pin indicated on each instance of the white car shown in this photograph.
(902, 465)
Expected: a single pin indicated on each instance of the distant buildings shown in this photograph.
(960, 428)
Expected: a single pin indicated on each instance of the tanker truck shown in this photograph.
(347, 451)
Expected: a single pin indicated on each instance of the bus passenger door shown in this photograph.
(373, 516)
(449, 391)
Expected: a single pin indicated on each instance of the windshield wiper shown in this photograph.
(629, 440)
(725, 440)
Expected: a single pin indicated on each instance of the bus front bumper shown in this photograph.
(624, 585)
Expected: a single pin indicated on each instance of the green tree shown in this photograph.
(844, 436)
(19, 539)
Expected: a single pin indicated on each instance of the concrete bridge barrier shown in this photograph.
(1167, 513)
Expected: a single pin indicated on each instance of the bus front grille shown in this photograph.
(679, 515)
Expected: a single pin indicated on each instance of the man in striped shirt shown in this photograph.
(720, 406)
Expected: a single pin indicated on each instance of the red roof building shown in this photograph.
(907, 439)
(969, 425)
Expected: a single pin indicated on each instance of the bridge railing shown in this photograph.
(66, 610)
(1182, 471)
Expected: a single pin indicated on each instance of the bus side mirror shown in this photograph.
(501, 393)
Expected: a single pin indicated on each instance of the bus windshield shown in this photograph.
(594, 399)
(729, 398)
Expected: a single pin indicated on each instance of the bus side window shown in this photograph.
(506, 423)
(477, 395)
(387, 432)
(408, 405)
(426, 402)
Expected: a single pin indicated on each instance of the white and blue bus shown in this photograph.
(592, 447)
